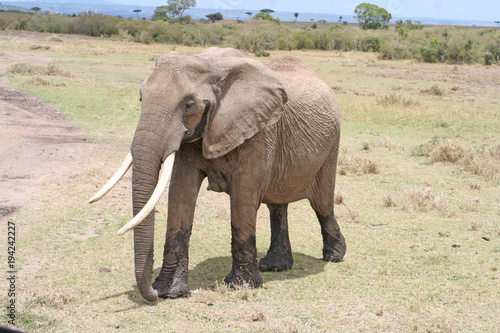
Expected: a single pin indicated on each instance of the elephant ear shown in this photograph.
(251, 97)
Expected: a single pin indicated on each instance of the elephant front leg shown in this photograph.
(244, 206)
(279, 257)
(172, 282)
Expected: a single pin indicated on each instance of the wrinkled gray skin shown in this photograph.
(260, 133)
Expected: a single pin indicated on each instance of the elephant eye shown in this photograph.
(189, 104)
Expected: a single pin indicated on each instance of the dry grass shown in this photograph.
(416, 259)
(398, 100)
(356, 164)
(389, 201)
(447, 151)
(51, 69)
(434, 90)
(425, 200)
(482, 162)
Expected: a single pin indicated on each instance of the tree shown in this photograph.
(173, 9)
(340, 19)
(36, 9)
(137, 11)
(497, 22)
(371, 16)
(249, 14)
(215, 17)
(265, 14)
(182, 5)
(296, 16)
(161, 14)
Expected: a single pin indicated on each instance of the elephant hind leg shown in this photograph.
(279, 257)
(334, 246)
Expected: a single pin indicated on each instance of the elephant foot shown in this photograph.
(172, 284)
(334, 248)
(241, 275)
(276, 262)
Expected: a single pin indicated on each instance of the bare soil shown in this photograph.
(37, 142)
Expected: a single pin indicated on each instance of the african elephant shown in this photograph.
(260, 133)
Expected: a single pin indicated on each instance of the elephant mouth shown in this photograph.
(163, 180)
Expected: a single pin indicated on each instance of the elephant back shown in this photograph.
(288, 64)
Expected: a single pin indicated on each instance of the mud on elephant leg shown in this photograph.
(334, 247)
(244, 206)
(172, 282)
(279, 256)
(244, 264)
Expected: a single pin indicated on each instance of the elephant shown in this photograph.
(260, 133)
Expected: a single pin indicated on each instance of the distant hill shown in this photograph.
(110, 8)
(7, 7)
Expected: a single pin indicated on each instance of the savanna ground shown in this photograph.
(418, 200)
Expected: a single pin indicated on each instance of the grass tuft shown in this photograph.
(483, 162)
(447, 151)
(357, 165)
(397, 100)
(339, 198)
(433, 90)
(51, 69)
(389, 201)
(426, 148)
(425, 200)
(38, 81)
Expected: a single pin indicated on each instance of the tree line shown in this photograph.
(264, 33)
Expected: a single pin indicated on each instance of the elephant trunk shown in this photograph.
(144, 179)
(153, 153)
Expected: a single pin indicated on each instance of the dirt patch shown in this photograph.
(37, 142)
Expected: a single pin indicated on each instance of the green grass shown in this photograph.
(419, 264)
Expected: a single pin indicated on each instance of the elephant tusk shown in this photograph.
(114, 180)
(163, 179)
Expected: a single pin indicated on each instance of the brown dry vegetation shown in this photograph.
(423, 232)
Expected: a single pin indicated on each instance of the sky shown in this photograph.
(483, 10)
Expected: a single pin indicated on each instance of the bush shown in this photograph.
(411, 41)
(370, 44)
(433, 54)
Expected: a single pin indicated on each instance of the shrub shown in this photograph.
(433, 90)
(434, 44)
(432, 54)
(370, 44)
(303, 40)
(447, 151)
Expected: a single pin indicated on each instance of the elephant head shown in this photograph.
(218, 97)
